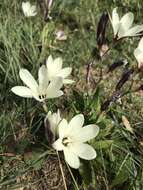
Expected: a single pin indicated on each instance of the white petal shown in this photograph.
(75, 126)
(87, 132)
(125, 24)
(65, 72)
(139, 57)
(58, 63)
(68, 81)
(25, 7)
(127, 20)
(140, 46)
(28, 9)
(33, 10)
(22, 91)
(84, 151)
(71, 158)
(49, 61)
(63, 126)
(58, 145)
(54, 94)
(53, 66)
(56, 83)
(53, 88)
(115, 21)
(28, 79)
(54, 120)
(135, 31)
(43, 78)
(76, 122)
(137, 53)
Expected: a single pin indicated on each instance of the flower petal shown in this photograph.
(58, 145)
(125, 24)
(115, 21)
(53, 66)
(139, 57)
(140, 46)
(76, 122)
(135, 31)
(68, 81)
(28, 79)
(75, 126)
(71, 158)
(127, 20)
(138, 53)
(54, 120)
(49, 61)
(63, 126)
(58, 63)
(28, 9)
(87, 132)
(22, 91)
(65, 72)
(43, 78)
(53, 88)
(84, 151)
(55, 94)
(33, 10)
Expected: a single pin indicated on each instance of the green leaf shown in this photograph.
(106, 126)
(120, 179)
(96, 101)
(123, 172)
(103, 144)
(32, 158)
(85, 171)
(79, 100)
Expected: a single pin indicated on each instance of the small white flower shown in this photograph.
(60, 35)
(54, 120)
(28, 9)
(123, 27)
(72, 138)
(138, 53)
(43, 90)
(55, 70)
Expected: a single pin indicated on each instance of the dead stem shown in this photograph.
(62, 172)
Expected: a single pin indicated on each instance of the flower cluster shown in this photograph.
(28, 9)
(50, 77)
(71, 137)
(123, 27)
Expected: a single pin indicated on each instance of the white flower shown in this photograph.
(55, 70)
(60, 35)
(28, 9)
(138, 53)
(123, 27)
(72, 138)
(43, 90)
(54, 120)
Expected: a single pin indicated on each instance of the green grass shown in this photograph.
(27, 42)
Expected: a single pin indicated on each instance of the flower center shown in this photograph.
(66, 141)
(42, 96)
